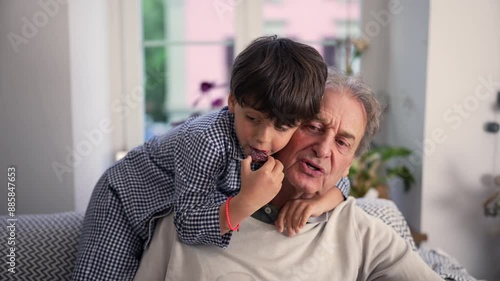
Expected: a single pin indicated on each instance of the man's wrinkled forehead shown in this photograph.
(342, 115)
(340, 131)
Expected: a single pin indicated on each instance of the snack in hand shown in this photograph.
(258, 156)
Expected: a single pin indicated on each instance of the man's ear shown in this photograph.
(231, 102)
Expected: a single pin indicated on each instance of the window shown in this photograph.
(188, 42)
(185, 44)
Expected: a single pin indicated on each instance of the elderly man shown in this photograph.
(345, 244)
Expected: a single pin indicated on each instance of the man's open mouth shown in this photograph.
(312, 167)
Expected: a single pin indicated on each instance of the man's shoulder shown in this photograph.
(348, 212)
(347, 206)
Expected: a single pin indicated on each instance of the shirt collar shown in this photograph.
(269, 214)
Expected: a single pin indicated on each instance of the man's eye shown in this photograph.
(312, 128)
(342, 143)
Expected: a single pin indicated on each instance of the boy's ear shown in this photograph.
(231, 102)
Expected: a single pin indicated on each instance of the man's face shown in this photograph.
(321, 151)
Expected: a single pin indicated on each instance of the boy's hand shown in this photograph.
(261, 186)
(295, 213)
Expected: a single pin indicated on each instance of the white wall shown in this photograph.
(55, 102)
(92, 126)
(463, 79)
(395, 66)
(35, 106)
(427, 59)
(407, 82)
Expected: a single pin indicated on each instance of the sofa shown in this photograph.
(46, 245)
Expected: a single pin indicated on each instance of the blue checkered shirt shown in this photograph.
(193, 169)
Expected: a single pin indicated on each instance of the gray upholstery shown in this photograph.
(46, 245)
(447, 267)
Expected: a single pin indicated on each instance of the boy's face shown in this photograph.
(256, 133)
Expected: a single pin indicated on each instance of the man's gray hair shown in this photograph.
(356, 87)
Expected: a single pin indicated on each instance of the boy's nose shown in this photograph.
(264, 135)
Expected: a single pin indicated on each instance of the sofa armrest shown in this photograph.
(388, 212)
(445, 265)
(45, 246)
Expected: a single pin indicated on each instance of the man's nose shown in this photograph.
(323, 147)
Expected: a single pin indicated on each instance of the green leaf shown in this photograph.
(393, 152)
(371, 169)
(402, 172)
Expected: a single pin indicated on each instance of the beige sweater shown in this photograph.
(350, 246)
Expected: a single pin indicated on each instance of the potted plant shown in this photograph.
(374, 169)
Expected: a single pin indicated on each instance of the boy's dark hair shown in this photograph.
(278, 76)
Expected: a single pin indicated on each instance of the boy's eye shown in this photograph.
(251, 118)
(282, 128)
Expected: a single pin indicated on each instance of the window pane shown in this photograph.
(153, 19)
(155, 85)
(312, 20)
(208, 20)
(186, 43)
(325, 25)
(188, 68)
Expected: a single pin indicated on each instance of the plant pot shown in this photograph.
(383, 191)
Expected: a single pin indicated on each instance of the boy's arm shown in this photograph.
(198, 164)
(200, 216)
(295, 213)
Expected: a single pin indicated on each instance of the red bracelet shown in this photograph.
(227, 216)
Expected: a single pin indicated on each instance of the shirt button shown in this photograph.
(267, 210)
